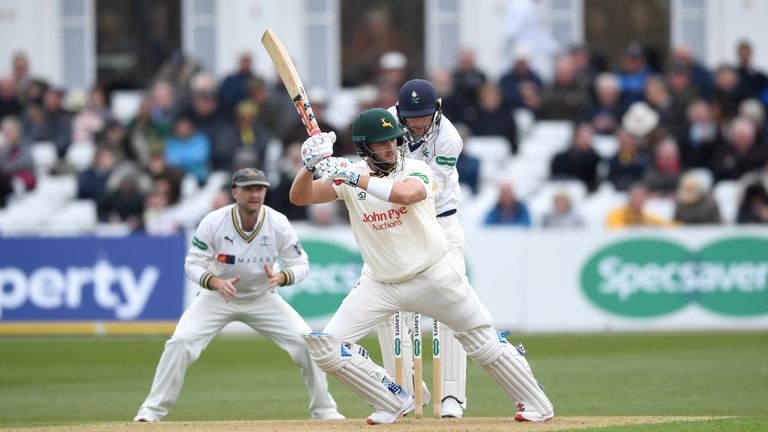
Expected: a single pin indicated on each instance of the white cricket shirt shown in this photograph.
(396, 241)
(221, 248)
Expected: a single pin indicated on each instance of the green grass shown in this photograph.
(46, 381)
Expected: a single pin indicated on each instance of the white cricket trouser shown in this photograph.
(268, 314)
(454, 359)
(441, 292)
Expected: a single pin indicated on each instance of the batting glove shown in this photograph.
(334, 169)
(316, 148)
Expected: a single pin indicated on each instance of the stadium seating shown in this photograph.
(727, 193)
(45, 156)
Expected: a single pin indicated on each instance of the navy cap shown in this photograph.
(249, 177)
(418, 98)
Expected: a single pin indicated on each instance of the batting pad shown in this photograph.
(507, 367)
(359, 373)
(454, 366)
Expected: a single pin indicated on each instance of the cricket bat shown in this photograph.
(291, 79)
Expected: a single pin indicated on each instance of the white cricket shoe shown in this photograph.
(145, 419)
(451, 408)
(386, 417)
(533, 416)
(327, 415)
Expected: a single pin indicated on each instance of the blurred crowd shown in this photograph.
(669, 125)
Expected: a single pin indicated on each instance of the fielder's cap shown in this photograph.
(249, 177)
(418, 98)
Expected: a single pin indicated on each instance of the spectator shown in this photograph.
(277, 197)
(92, 182)
(158, 220)
(633, 73)
(671, 113)
(693, 204)
(519, 73)
(171, 177)
(727, 94)
(467, 166)
(15, 155)
(629, 163)
(92, 119)
(642, 122)
(753, 208)
(454, 104)
(115, 136)
(699, 76)
(162, 106)
(752, 80)
(250, 134)
(682, 93)
(508, 209)
(663, 174)
(583, 71)
(579, 161)
(634, 214)
(123, 204)
(188, 149)
(701, 136)
(393, 71)
(605, 115)
(492, 117)
(178, 72)
(53, 124)
(145, 134)
(566, 98)
(234, 87)
(9, 99)
(741, 154)
(216, 126)
(467, 79)
(562, 214)
(753, 110)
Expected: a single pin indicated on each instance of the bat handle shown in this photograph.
(315, 131)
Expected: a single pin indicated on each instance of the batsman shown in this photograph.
(407, 267)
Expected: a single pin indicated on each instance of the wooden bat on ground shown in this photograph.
(291, 79)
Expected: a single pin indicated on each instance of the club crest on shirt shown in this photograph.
(264, 241)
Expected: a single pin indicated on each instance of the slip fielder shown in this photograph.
(407, 267)
(233, 255)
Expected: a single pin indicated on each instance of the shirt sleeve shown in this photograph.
(200, 256)
(421, 171)
(295, 259)
(446, 154)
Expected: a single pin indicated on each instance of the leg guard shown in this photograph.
(507, 366)
(454, 366)
(355, 371)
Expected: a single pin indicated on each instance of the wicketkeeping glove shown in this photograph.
(316, 148)
(335, 169)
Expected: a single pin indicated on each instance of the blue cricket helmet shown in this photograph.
(418, 98)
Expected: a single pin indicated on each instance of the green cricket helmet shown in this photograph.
(377, 125)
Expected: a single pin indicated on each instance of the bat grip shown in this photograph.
(315, 132)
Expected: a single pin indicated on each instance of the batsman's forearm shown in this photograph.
(301, 189)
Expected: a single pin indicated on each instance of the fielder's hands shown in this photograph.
(225, 287)
(316, 148)
(334, 169)
(275, 278)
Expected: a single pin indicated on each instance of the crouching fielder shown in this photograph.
(407, 267)
(233, 254)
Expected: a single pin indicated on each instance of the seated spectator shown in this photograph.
(146, 135)
(159, 171)
(606, 113)
(250, 133)
(700, 137)
(49, 122)
(663, 173)
(92, 118)
(658, 97)
(162, 104)
(727, 95)
(467, 166)
(124, 204)
(682, 92)
(520, 73)
(492, 117)
(634, 214)
(467, 79)
(562, 214)
(178, 71)
(633, 73)
(217, 127)
(115, 136)
(234, 87)
(629, 163)
(508, 209)
(693, 204)
(158, 220)
(565, 99)
(699, 76)
(579, 161)
(751, 79)
(188, 149)
(9, 99)
(15, 155)
(754, 111)
(92, 183)
(753, 208)
(277, 197)
(454, 104)
(741, 154)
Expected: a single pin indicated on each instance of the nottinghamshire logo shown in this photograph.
(652, 277)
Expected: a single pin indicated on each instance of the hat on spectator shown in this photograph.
(640, 119)
(249, 177)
